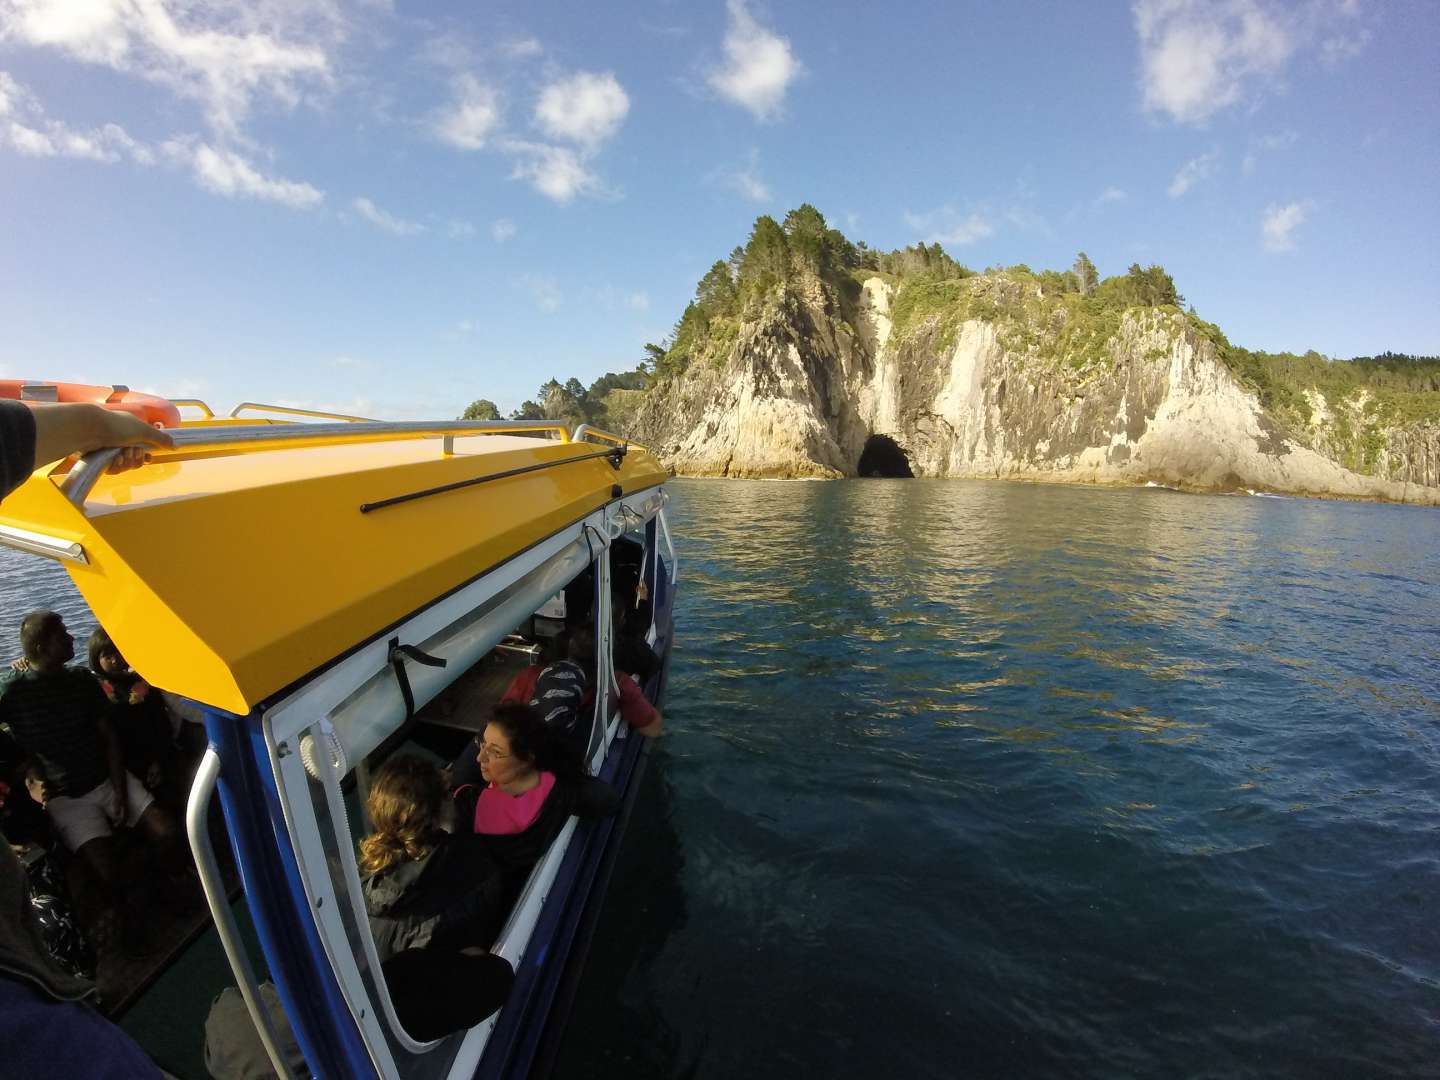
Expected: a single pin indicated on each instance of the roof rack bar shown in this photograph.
(81, 479)
(194, 403)
(585, 431)
(288, 410)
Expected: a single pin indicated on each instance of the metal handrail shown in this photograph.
(82, 478)
(585, 431)
(669, 546)
(194, 403)
(290, 411)
(197, 826)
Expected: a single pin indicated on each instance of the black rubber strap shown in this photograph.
(398, 653)
(615, 455)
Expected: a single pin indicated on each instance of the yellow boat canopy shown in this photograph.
(248, 557)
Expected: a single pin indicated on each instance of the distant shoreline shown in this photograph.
(1146, 485)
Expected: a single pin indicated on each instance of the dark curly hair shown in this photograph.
(533, 741)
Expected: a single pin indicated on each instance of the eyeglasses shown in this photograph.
(494, 753)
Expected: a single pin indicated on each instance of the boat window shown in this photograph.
(338, 829)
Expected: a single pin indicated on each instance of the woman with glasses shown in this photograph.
(521, 786)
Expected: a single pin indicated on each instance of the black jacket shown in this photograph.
(517, 853)
(451, 899)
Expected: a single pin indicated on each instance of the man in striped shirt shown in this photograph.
(61, 718)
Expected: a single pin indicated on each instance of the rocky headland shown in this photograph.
(807, 356)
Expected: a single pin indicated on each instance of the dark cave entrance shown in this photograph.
(883, 457)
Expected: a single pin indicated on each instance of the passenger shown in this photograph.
(26, 826)
(436, 993)
(631, 619)
(635, 708)
(522, 686)
(424, 886)
(521, 787)
(233, 1048)
(48, 1026)
(35, 434)
(22, 801)
(142, 724)
(61, 718)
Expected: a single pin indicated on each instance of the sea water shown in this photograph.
(991, 779)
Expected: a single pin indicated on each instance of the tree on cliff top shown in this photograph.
(481, 409)
(922, 258)
(1086, 276)
(767, 255)
(824, 249)
(1140, 288)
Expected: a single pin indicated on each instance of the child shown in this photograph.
(141, 721)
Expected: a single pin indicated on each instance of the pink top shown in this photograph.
(499, 813)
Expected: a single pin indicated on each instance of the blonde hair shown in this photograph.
(405, 803)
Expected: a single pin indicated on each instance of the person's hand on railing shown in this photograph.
(79, 427)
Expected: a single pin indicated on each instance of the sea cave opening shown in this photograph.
(884, 457)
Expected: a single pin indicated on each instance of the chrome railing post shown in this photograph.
(197, 826)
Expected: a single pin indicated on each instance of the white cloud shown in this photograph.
(12, 94)
(1193, 172)
(225, 172)
(459, 230)
(948, 226)
(1280, 222)
(586, 109)
(1110, 195)
(383, 220)
(224, 58)
(543, 289)
(557, 172)
(522, 48)
(40, 136)
(502, 229)
(470, 120)
(350, 363)
(1334, 51)
(1200, 56)
(745, 180)
(1266, 144)
(759, 65)
(638, 301)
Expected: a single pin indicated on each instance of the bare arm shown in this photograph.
(62, 430)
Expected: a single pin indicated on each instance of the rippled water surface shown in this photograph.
(984, 779)
(993, 779)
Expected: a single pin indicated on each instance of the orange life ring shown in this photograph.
(156, 411)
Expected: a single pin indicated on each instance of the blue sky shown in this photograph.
(393, 209)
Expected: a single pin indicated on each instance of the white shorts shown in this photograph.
(82, 818)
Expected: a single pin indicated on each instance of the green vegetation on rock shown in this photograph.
(1069, 320)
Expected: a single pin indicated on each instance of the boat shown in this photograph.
(321, 591)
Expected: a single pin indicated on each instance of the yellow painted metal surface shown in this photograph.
(226, 576)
